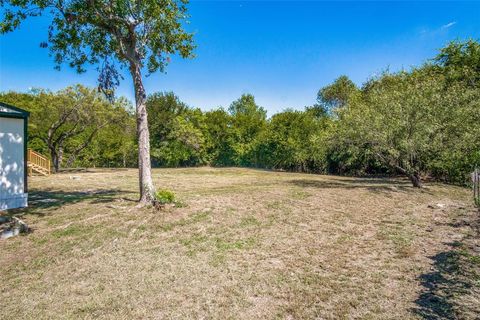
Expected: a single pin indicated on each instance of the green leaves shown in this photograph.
(176, 131)
(79, 123)
(248, 120)
(292, 141)
(460, 61)
(125, 31)
(419, 122)
(337, 94)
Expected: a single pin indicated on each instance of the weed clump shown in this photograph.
(165, 196)
(167, 199)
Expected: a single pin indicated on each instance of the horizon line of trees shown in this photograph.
(424, 122)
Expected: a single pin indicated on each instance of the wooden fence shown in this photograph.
(476, 186)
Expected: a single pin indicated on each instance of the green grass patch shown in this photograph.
(401, 238)
(198, 217)
(225, 245)
(299, 194)
(249, 221)
(70, 231)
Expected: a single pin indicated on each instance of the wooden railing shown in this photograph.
(38, 160)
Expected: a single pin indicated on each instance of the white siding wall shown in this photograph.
(12, 164)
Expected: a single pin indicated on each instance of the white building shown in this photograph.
(13, 157)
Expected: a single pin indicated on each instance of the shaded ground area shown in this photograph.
(242, 244)
(452, 287)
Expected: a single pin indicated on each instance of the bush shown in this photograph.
(165, 196)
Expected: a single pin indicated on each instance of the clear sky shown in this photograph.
(280, 51)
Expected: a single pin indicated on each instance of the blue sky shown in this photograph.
(280, 51)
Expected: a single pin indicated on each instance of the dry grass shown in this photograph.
(243, 244)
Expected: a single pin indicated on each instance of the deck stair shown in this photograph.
(37, 163)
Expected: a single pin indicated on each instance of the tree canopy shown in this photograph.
(67, 124)
(110, 34)
(420, 123)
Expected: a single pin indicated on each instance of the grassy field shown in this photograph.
(242, 244)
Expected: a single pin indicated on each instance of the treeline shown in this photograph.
(77, 126)
(424, 122)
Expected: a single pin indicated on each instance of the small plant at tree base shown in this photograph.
(165, 196)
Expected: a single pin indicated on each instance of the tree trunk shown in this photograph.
(415, 179)
(57, 157)
(54, 157)
(147, 189)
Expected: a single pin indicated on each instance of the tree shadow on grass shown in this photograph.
(374, 185)
(41, 201)
(454, 278)
(440, 286)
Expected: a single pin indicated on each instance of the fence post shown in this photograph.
(476, 187)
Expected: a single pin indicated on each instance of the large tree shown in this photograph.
(398, 118)
(291, 139)
(65, 123)
(460, 61)
(134, 34)
(220, 137)
(336, 95)
(177, 139)
(248, 121)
